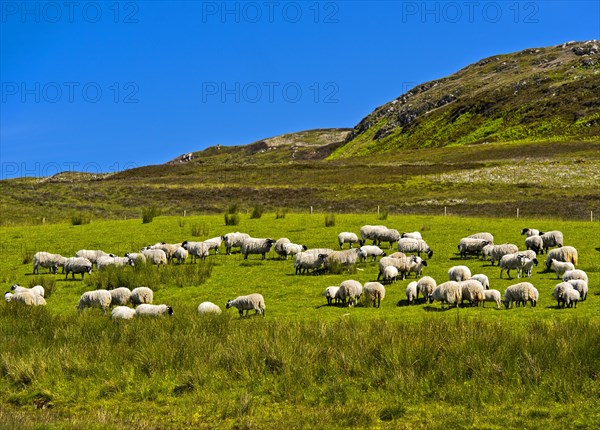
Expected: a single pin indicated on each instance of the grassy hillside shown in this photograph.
(535, 95)
(305, 365)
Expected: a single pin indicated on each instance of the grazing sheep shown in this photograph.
(414, 245)
(575, 274)
(346, 258)
(571, 297)
(558, 291)
(155, 256)
(48, 261)
(388, 235)
(75, 265)
(566, 254)
(26, 297)
(447, 293)
(180, 255)
(485, 236)
(196, 249)
(416, 266)
(412, 235)
(107, 260)
(254, 302)
(214, 243)
(137, 258)
(120, 296)
(459, 273)
(306, 261)
(535, 243)
(473, 291)
(551, 239)
(372, 251)
(371, 232)
(348, 237)
(168, 248)
(375, 292)
(470, 245)
(293, 249)
(499, 251)
(529, 232)
(331, 295)
(560, 267)
(510, 262)
(425, 286)
(141, 296)
(483, 279)
(153, 310)
(38, 290)
(122, 313)
(253, 245)
(411, 292)
(521, 293)
(90, 255)
(351, 291)
(390, 274)
(208, 308)
(492, 296)
(581, 286)
(401, 264)
(278, 247)
(486, 252)
(234, 240)
(95, 299)
(528, 264)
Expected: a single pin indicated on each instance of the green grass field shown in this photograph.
(305, 365)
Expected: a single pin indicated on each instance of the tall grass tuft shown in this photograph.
(26, 257)
(81, 218)
(280, 213)
(48, 283)
(232, 216)
(257, 212)
(330, 220)
(148, 214)
(199, 230)
(383, 215)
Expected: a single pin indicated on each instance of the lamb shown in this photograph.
(521, 293)
(528, 264)
(348, 237)
(390, 273)
(205, 308)
(256, 246)
(306, 261)
(581, 286)
(459, 273)
(38, 290)
(401, 264)
(278, 247)
(486, 251)
(416, 266)
(558, 291)
(483, 279)
(331, 294)
(350, 291)
(75, 265)
(168, 248)
(122, 313)
(120, 296)
(552, 238)
(27, 298)
(136, 258)
(254, 302)
(107, 260)
(346, 258)
(560, 267)
(412, 235)
(535, 243)
(414, 245)
(375, 292)
(530, 232)
(180, 255)
(448, 292)
(196, 249)
(372, 251)
(388, 235)
(214, 243)
(425, 286)
(141, 296)
(155, 256)
(473, 291)
(48, 261)
(510, 262)
(91, 255)
(371, 232)
(492, 296)
(571, 297)
(293, 249)
(153, 310)
(470, 245)
(499, 251)
(411, 292)
(575, 274)
(485, 236)
(233, 240)
(95, 299)
(566, 254)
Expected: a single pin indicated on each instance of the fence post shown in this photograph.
(377, 211)
(517, 213)
(184, 212)
(311, 210)
(445, 211)
(591, 216)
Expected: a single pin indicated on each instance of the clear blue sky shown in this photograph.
(102, 86)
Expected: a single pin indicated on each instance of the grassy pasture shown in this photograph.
(305, 365)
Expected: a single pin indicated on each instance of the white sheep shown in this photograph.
(348, 237)
(38, 290)
(510, 262)
(120, 296)
(141, 295)
(168, 248)
(155, 256)
(278, 247)
(575, 274)
(472, 291)
(253, 245)
(390, 274)
(214, 243)
(293, 249)
(347, 257)
(388, 235)
(137, 258)
(485, 281)
(486, 251)
(416, 266)
(91, 255)
(485, 236)
(558, 291)
(551, 239)
(331, 294)
(560, 267)
(122, 313)
(412, 235)
(196, 249)
(411, 292)
(425, 286)
(75, 265)
(535, 243)
(208, 308)
(234, 240)
(25, 297)
(371, 232)
(48, 261)
(499, 251)
(375, 292)
(180, 255)
(571, 297)
(581, 286)
(566, 253)
(372, 251)
(470, 245)
(306, 261)
(459, 273)
(448, 293)
(521, 293)
(107, 260)
(153, 310)
(493, 296)
(350, 291)
(407, 245)
(95, 299)
(528, 264)
(247, 303)
(529, 232)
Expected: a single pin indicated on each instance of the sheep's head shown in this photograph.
(228, 305)
(304, 247)
(184, 245)
(429, 253)
(14, 287)
(169, 310)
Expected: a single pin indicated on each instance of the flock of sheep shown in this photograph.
(461, 285)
